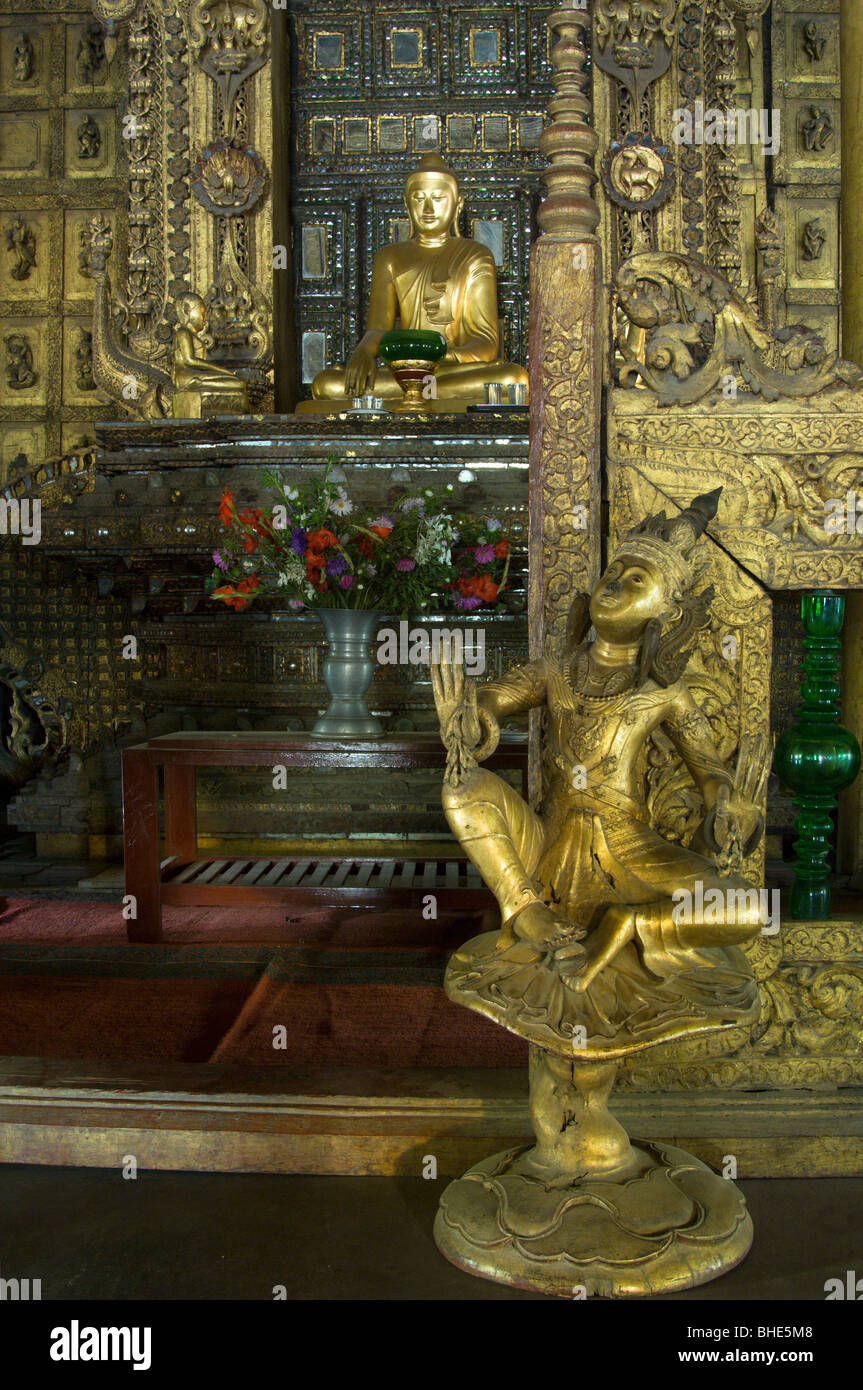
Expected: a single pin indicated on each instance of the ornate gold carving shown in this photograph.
(751, 12)
(240, 317)
(230, 41)
(138, 386)
(769, 248)
(564, 459)
(36, 714)
(689, 333)
(633, 41)
(229, 178)
(638, 174)
(568, 143)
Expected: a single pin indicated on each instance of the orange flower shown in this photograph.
(319, 540)
(501, 549)
(382, 531)
(229, 597)
(486, 589)
(226, 508)
(468, 587)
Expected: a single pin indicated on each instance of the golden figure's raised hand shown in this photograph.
(461, 720)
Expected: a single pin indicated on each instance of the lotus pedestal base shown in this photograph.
(585, 1212)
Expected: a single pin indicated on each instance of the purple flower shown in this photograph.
(299, 540)
(407, 504)
(484, 554)
(347, 581)
(466, 603)
(337, 565)
(217, 560)
(406, 564)
(386, 522)
(296, 603)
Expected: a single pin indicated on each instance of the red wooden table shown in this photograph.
(182, 877)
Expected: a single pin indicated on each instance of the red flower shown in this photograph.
(501, 549)
(382, 531)
(486, 589)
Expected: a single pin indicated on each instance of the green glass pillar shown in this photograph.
(817, 758)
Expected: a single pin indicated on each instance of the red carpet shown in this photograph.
(360, 989)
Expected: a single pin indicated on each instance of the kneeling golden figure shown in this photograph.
(201, 388)
(437, 281)
(597, 957)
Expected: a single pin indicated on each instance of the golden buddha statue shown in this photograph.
(438, 281)
(605, 946)
(201, 388)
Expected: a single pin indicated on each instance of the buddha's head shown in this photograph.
(191, 312)
(432, 198)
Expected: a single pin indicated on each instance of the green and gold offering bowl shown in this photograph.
(412, 356)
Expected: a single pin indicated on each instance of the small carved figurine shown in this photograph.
(89, 139)
(818, 130)
(84, 361)
(814, 42)
(92, 58)
(193, 375)
(812, 240)
(20, 375)
(23, 59)
(21, 241)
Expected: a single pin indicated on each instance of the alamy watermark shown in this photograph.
(713, 906)
(415, 646)
(22, 519)
(732, 126)
(844, 514)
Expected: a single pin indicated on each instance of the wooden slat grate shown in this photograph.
(368, 875)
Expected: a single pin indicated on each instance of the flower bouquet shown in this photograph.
(313, 548)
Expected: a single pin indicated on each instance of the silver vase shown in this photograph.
(348, 671)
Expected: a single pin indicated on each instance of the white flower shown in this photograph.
(341, 504)
(493, 525)
(292, 493)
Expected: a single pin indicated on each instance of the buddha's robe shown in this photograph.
(449, 289)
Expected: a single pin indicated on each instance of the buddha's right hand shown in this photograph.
(360, 372)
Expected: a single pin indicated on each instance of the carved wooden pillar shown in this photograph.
(850, 845)
(565, 354)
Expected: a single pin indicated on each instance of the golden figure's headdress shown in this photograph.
(669, 544)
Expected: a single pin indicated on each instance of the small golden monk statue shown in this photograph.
(201, 388)
(438, 281)
(605, 948)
